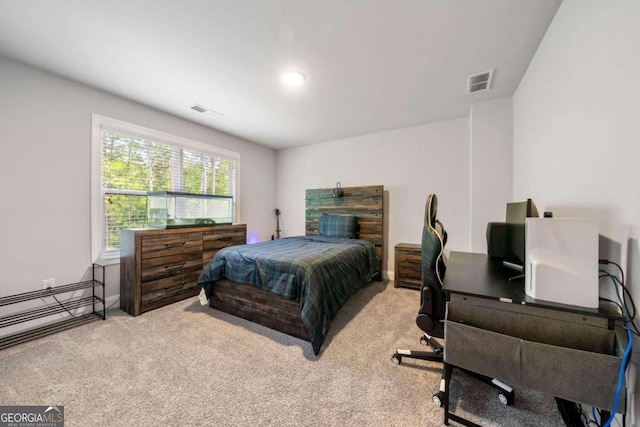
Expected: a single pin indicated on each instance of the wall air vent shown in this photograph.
(480, 82)
(206, 111)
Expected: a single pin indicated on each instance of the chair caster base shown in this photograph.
(507, 398)
(438, 399)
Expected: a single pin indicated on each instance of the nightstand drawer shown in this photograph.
(408, 265)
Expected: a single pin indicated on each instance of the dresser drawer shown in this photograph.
(157, 268)
(169, 287)
(213, 241)
(160, 245)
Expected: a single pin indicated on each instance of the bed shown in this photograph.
(296, 285)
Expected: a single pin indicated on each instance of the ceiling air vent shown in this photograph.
(479, 82)
(204, 110)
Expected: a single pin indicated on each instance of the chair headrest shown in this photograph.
(431, 211)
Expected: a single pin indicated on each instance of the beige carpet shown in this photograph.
(189, 365)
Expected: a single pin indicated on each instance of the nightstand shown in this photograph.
(408, 268)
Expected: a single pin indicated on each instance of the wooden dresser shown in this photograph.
(161, 266)
(408, 266)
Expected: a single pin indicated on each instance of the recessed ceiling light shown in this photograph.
(292, 78)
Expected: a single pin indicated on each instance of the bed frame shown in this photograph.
(277, 313)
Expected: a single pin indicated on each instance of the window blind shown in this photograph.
(132, 166)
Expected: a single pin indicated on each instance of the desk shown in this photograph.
(492, 327)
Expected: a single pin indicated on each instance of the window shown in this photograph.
(129, 160)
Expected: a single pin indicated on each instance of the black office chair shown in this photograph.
(433, 303)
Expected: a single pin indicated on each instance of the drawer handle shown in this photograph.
(414, 261)
(174, 245)
(174, 265)
(174, 288)
(224, 239)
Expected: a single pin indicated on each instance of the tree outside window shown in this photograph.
(132, 166)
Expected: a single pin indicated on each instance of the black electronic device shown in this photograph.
(506, 240)
(277, 235)
(516, 217)
(277, 212)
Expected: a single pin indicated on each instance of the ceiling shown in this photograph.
(371, 65)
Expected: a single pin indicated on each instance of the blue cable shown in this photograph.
(623, 366)
(625, 358)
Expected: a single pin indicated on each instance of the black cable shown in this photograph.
(61, 305)
(606, 261)
(72, 315)
(570, 412)
(626, 292)
(585, 418)
(625, 309)
(631, 314)
(619, 268)
(616, 281)
(633, 305)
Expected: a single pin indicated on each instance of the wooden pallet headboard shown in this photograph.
(366, 203)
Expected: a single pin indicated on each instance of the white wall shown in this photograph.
(411, 163)
(45, 143)
(491, 141)
(577, 127)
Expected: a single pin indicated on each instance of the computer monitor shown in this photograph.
(506, 240)
(517, 212)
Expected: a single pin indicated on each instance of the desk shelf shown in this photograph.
(53, 307)
(493, 328)
(571, 356)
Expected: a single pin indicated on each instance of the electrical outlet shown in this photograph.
(48, 283)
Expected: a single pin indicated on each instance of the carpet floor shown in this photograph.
(190, 365)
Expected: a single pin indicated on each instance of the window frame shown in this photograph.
(99, 122)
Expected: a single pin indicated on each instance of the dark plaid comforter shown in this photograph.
(319, 273)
